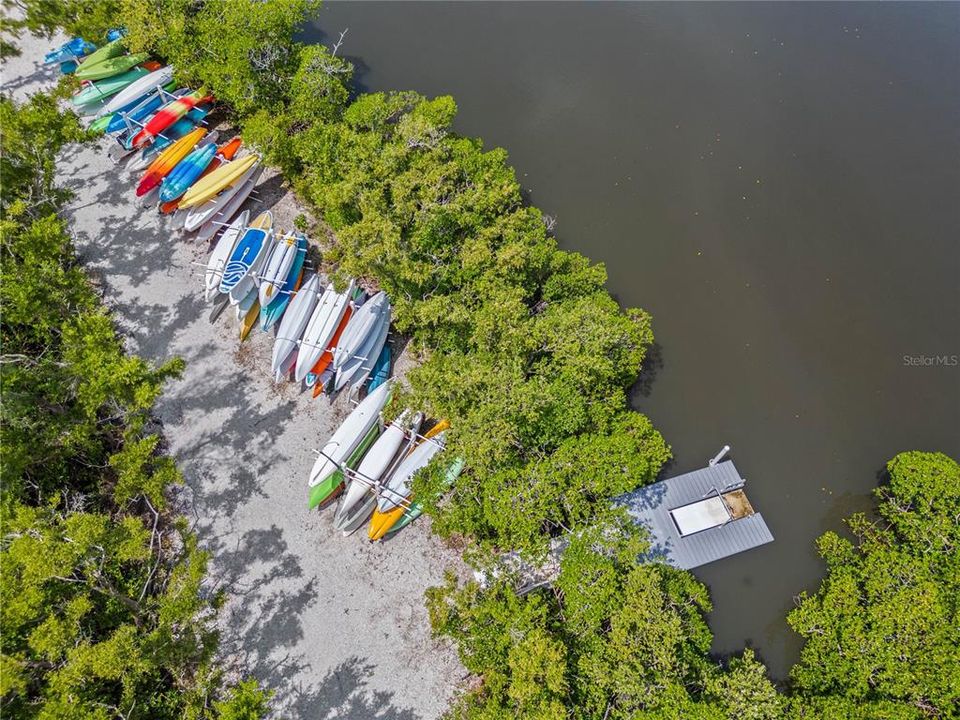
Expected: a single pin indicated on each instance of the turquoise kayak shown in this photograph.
(273, 311)
(416, 507)
(381, 369)
(106, 88)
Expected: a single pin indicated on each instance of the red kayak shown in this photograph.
(167, 116)
(225, 152)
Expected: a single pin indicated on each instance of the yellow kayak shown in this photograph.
(208, 187)
(381, 522)
(249, 320)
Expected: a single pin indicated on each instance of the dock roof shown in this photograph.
(650, 506)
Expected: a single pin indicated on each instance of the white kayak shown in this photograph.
(221, 253)
(276, 268)
(209, 210)
(357, 369)
(360, 498)
(141, 86)
(320, 329)
(246, 302)
(294, 321)
(362, 323)
(397, 488)
(348, 436)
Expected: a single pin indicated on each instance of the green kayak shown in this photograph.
(107, 87)
(100, 124)
(110, 50)
(325, 490)
(108, 68)
(416, 507)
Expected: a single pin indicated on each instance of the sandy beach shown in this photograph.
(335, 625)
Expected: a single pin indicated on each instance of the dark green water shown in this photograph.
(779, 184)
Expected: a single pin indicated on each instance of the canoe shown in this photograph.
(325, 476)
(135, 91)
(275, 310)
(277, 267)
(221, 208)
(365, 320)
(249, 319)
(322, 369)
(186, 172)
(415, 509)
(225, 152)
(381, 369)
(167, 116)
(109, 67)
(221, 253)
(246, 256)
(396, 492)
(108, 88)
(356, 370)
(323, 324)
(222, 178)
(167, 160)
(295, 321)
(73, 49)
(360, 496)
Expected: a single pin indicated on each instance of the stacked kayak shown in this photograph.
(71, 51)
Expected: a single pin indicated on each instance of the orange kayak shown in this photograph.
(167, 160)
(381, 522)
(226, 152)
(327, 356)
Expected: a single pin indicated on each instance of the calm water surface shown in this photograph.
(779, 184)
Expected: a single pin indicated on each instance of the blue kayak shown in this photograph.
(273, 311)
(381, 370)
(243, 257)
(176, 131)
(69, 51)
(186, 172)
(69, 67)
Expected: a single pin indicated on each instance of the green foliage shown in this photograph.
(613, 638)
(103, 610)
(882, 632)
(90, 19)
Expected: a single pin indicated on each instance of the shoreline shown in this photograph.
(329, 623)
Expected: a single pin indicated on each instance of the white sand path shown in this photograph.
(336, 626)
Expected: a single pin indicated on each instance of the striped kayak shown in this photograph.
(222, 207)
(221, 253)
(294, 322)
(323, 324)
(396, 493)
(143, 86)
(322, 368)
(108, 88)
(225, 152)
(167, 116)
(381, 369)
(246, 255)
(272, 312)
(186, 172)
(222, 178)
(167, 160)
(415, 509)
(134, 113)
(108, 68)
(360, 497)
(360, 427)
